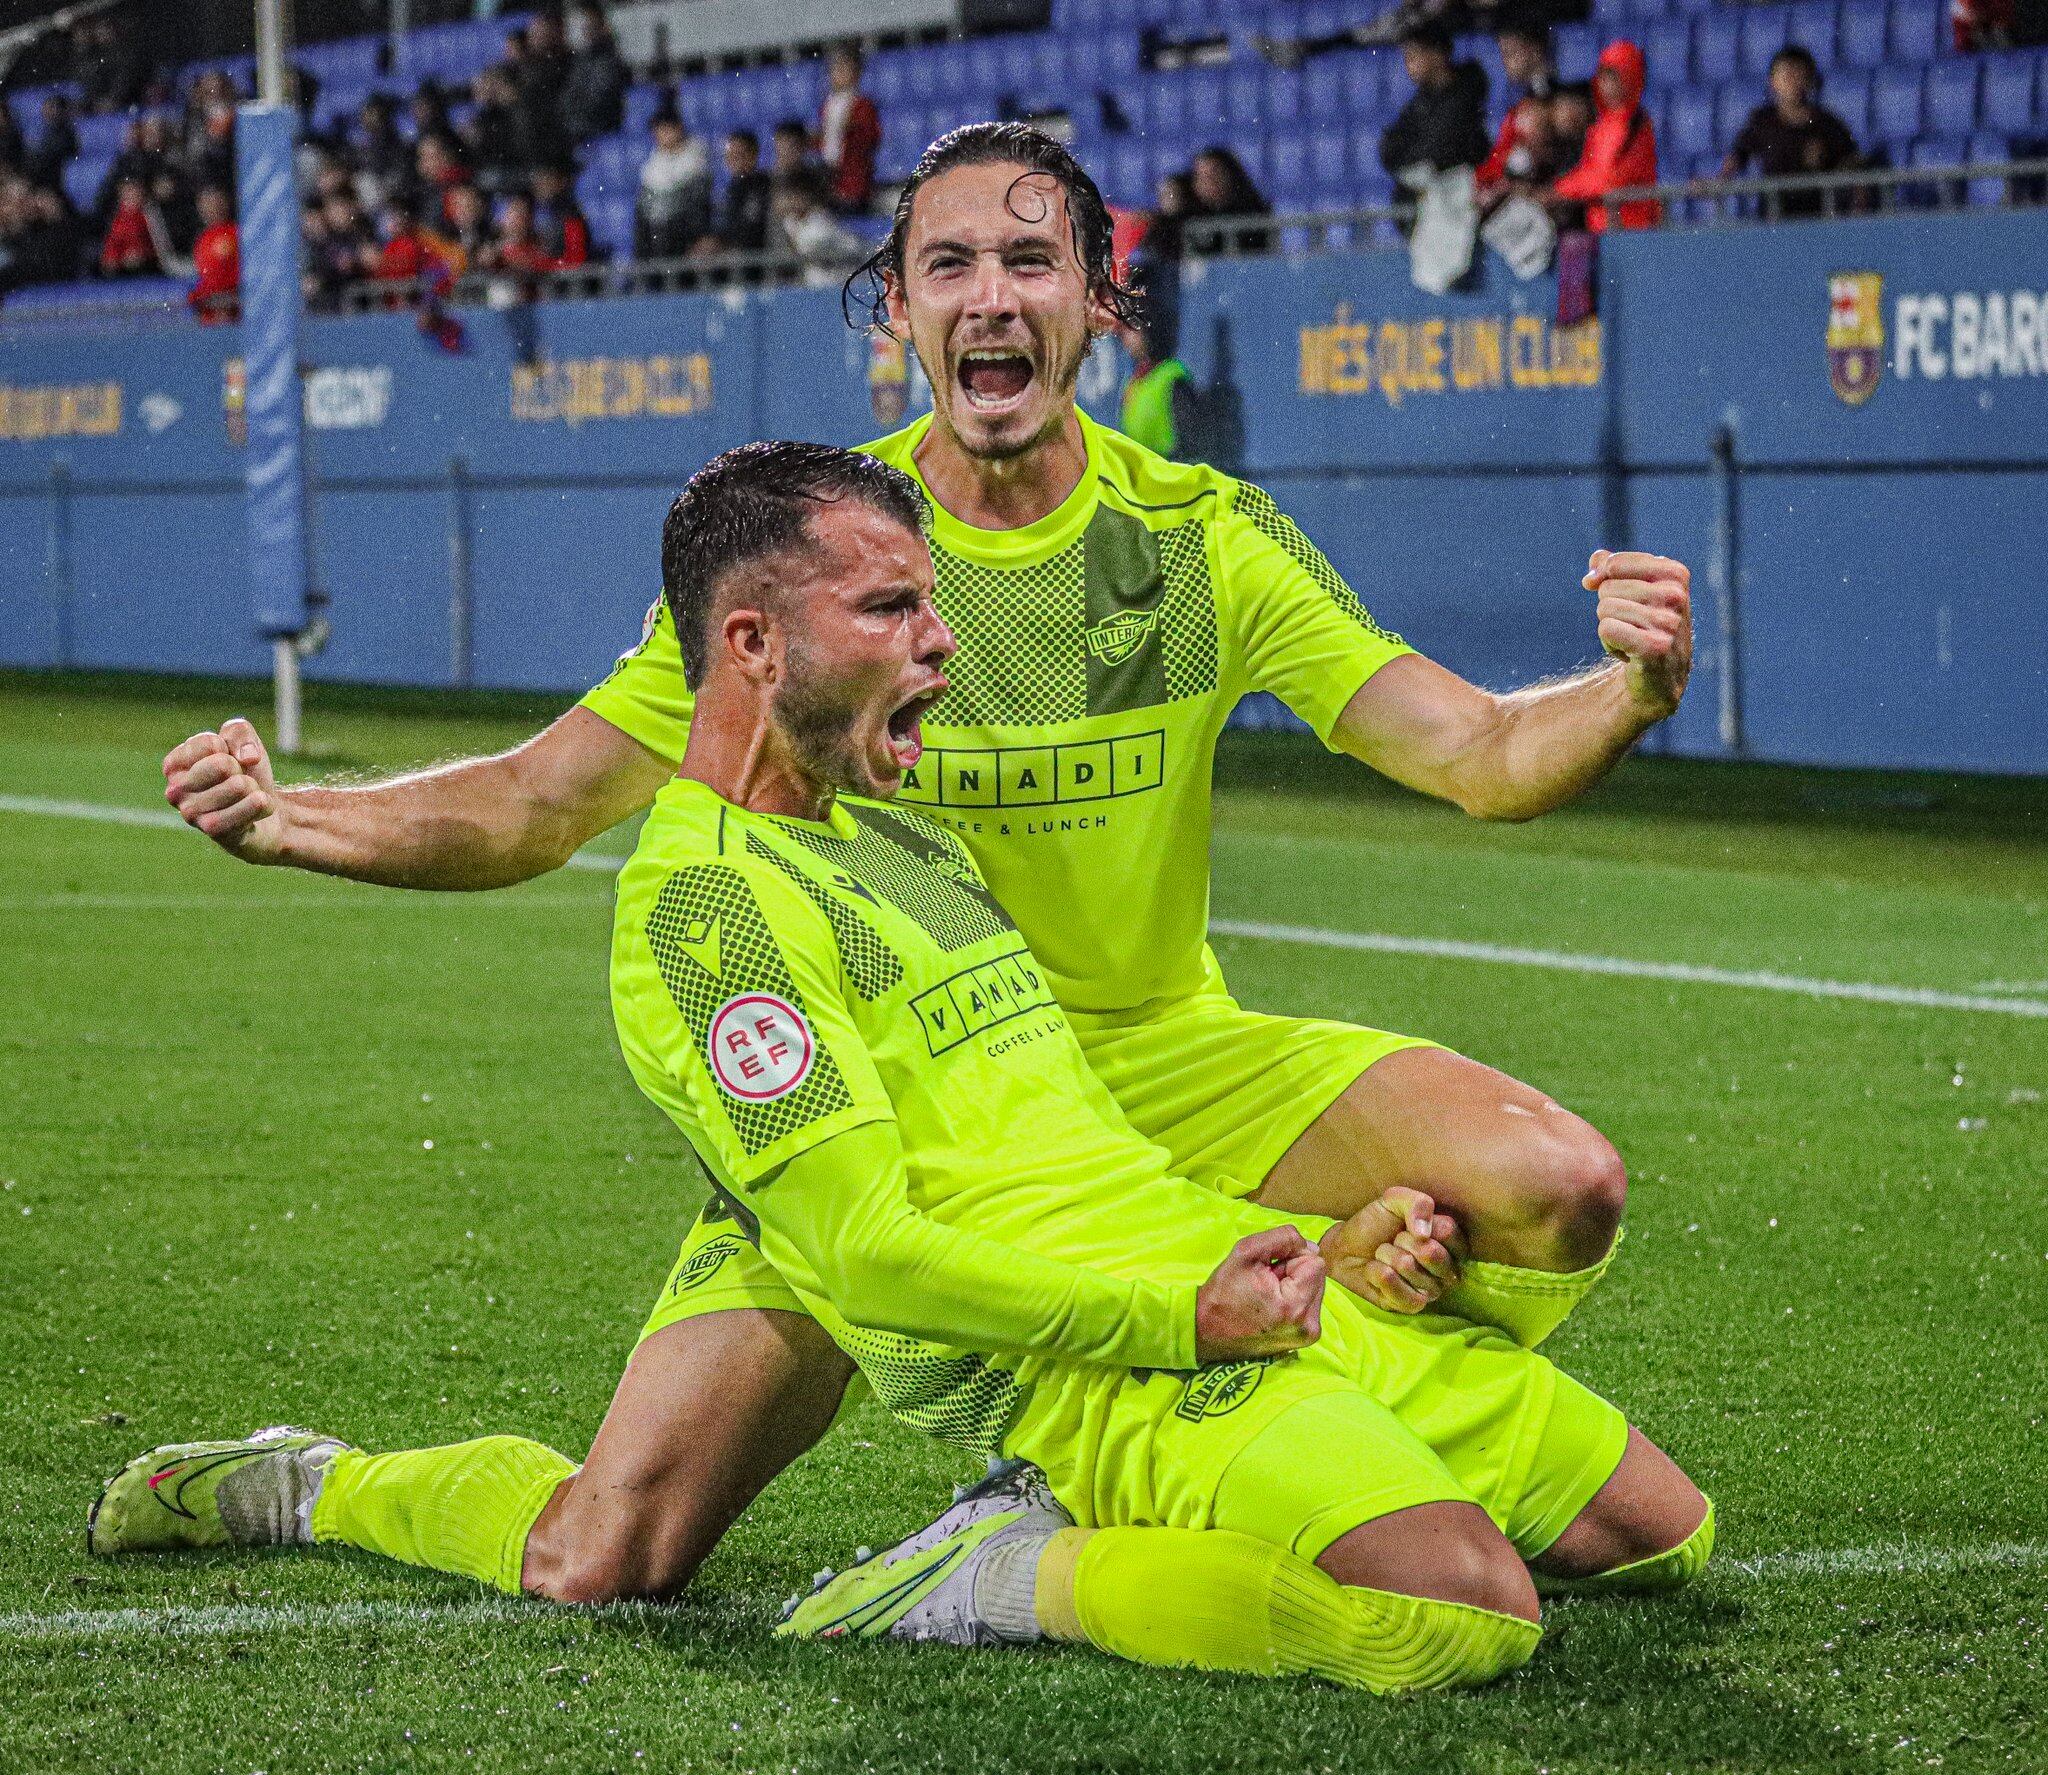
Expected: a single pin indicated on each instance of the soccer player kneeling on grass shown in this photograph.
(1241, 1471)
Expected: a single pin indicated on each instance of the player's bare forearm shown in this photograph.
(479, 823)
(1514, 755)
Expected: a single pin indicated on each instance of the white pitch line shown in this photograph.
(1380, 942)
(211, 1620)
(1562, 961)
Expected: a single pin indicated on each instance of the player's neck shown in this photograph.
(743, 764)
(1003, 493)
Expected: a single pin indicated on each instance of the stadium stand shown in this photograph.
(1307, 135)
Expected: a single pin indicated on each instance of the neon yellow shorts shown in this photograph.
(1226, 1091)
(1383, 1413)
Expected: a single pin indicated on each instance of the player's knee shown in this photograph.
(1439, 1552)
(1579, 1187)
(634, 1556)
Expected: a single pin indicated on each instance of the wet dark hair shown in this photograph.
(997, 144)
(1800, 57)
(758, 501)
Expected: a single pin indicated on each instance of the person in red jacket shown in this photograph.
(1621, 147)
(216, 257)
(130, 246)
(849, 133)
(1518, 148)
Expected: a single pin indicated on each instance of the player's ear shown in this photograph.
(749, 644)
(895, 314)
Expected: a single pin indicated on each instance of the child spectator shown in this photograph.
(469, 225)
(743, 211)
(810, 231)
(1621, 146)
(519, 246)
(131, 248)
(216, 258)
(1794, 133)
(1443, 124)
(558, 219)
(673, 211)
(1523, 147)
(411, 250)
(849, 133)
(437, 173)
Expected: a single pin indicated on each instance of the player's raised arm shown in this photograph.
(477, 823)
(1513, 756)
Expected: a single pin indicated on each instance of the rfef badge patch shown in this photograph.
(760, 1047)
(1855, 334)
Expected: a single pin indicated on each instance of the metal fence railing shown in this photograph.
(1690, 203)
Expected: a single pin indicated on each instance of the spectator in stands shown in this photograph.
(849, 133)
(538, 64)
(52, 244)
(809, 230)
(789, 151)
(109, 65)
(469, 225)
(1524, 148)
(594, 95)
(1443, 124)
(436, 172)
(519, 246)
(382, 155)
(1982, 24)
(1224, 199)
(1571, 119)
(1161, 406)
(494, 140)
(13, 144)
(428, 108)
(743, 211)
(557, 217)
(673, 211)
(411, 251)
(1621, 146)
(57, 146)
(216, 258)
(1166, 235)
(345, 249)
(209, 88)
(131, 245)
(1794, 133)
(214, 164)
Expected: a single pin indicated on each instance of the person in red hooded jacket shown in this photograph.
(1621, 147)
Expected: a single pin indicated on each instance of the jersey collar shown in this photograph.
(1034, 542)
(689, 792)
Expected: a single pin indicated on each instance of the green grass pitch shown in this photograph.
(283, 1149)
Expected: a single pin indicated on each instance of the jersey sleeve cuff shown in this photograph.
(1356, 675)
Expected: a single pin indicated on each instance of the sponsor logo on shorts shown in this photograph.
(1217, 1392)
(704, 1262)
(760, 1047)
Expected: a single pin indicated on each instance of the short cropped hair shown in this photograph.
(755, 502)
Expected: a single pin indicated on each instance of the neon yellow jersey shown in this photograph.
(1100, 651)
(872, 1068)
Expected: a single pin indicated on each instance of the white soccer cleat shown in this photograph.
(257, 1492)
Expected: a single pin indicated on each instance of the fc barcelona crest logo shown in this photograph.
(1855, 334)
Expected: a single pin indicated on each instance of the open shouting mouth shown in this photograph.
(906, 734)
(995, 379)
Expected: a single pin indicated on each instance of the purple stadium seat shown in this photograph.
(1328, 163)
(1898, 102)
(1365, 150)
(1644, 10)
(1287, 170)
(1691, 131)
(1127, 182)
(1208, 111)
(82, 180)
(100, 137)
(1764, 30)
(886, 77)
(1848, 96)
(1936, 154)
(1731, 111)
(1917, 30)
(2009, 82)
(1714, 40)
(1813, 28)
(1244, 92)
(1015, 70)
(1860, 40)
(1371, 81)
(1988, 193)
(1952, 96)
(1322, 90)
(1285, 100)
(1667, 48)
(1166, 106)
(1611, 16)
(1578, 48)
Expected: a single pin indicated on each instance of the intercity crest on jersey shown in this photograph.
(1855, 334)
(1116, 638)
(1216, 1392)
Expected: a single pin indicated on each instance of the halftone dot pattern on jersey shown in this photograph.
(918, 869)
(1021, 657)
(959, 1398)
(870, 964)
(1187, 614)
(1256, 504)
(709, 911)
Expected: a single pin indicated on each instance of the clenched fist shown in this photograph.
(1645, 615)
(221, 784)
(1265, 1297)
(1400, 1252)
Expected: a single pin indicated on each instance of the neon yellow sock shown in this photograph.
(1672, 1569)
(1527, 1304)
(465, 1508)
(1223, 1601)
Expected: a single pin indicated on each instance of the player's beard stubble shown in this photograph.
(820, 725)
